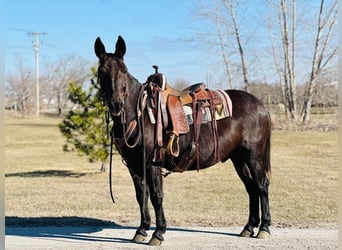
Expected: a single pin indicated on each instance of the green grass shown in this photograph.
(43, 181)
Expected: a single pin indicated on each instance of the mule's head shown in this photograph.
(112, 73)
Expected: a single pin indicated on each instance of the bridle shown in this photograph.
(126, 130)
(133, 124)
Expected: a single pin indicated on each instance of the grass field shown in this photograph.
(43, 181)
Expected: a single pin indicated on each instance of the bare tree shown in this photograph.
(59, 74)
(180, 84)
(276, 59)
(321, 54)
(286, 62)
(230, 7)
(224, 38)
(289, 86)
(298, 56)
(21, 88)
(326, 89)
(222, 46)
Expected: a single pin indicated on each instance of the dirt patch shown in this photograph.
(119, 237)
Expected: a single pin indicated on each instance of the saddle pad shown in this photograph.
(225, 110)
(227, 104)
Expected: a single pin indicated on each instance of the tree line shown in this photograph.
(54, 83)
(292, 43)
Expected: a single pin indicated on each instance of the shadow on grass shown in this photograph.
(47, 173)
(79, 228)
(35, 125)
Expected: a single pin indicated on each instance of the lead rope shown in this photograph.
(111, 135)
(110, 165)
(144, 155)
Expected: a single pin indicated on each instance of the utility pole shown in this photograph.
(36, 50)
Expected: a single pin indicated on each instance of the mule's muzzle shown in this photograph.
(115, 108)
(118, 107)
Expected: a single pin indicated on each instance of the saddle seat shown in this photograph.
(185, 94)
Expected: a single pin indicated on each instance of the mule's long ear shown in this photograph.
(100, 50)
(120, 48)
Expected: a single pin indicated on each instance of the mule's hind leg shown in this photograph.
(238, 158)
(260, 166)
(263, 182)
(258, 170)
(145, 219)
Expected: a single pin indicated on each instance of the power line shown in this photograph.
(18, 30)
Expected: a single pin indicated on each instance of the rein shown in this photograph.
(141, 103)
(127, 133)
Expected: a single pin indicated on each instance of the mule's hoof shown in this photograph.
(246, 233)
(263, 235)
(138, 238)
(155, 241)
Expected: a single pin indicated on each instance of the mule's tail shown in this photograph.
(267, 157)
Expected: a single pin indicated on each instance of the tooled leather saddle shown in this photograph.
(173, 111)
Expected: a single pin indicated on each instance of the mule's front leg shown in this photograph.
(142, 199)
(155, 182)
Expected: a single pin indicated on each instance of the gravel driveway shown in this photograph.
(118, 237)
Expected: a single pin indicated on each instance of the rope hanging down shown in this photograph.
(139, 124)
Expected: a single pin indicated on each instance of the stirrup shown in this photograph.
(170, 146)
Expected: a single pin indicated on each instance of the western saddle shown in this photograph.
(173, 111)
